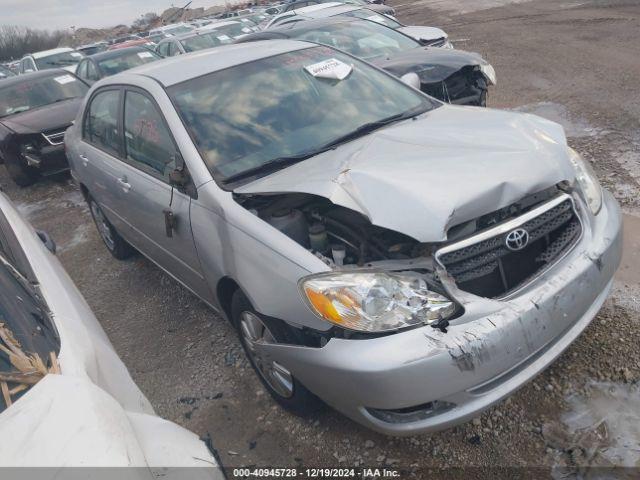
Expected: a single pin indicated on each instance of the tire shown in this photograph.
(23, 175)
(117, 246)
(483, 99)
(296, 399)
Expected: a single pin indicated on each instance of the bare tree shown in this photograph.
(16, 41)
(146, 21)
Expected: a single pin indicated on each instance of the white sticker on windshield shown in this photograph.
(145, 55)
(224, 38)
(332, 69)
(76, 54)
(64, 79)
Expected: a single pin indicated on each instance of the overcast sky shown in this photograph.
(53, 14)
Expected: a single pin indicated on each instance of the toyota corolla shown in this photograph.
(408, 262)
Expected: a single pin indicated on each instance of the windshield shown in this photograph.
(58, 60)
(367, 14)
(111, 66)
(5, 72)
(35, 93)
(207, 40)
(178, 30)
(365, 40)
(246, 116)
(156, 38)
(27, 333)
(93, 49)
(233, 30)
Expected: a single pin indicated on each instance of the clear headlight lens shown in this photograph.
(374, 301)
(587, 181)
(489, 72)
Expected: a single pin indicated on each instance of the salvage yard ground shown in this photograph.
(573, 62)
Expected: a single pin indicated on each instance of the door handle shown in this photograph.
(84, 160)
(123, 183)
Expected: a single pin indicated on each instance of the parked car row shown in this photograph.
(407, 261)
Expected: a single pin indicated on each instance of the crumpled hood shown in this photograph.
(432, 64)
(423, 33)
(49, 117)
(421, 177)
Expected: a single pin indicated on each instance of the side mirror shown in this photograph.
(178, 177)
(47, 240)
(411, 79)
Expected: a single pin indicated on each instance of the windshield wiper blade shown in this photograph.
(367, 128)
(281, 162)
(274, 165)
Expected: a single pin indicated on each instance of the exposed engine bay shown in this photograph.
(340, 237)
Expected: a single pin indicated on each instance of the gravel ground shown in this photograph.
(573, 62)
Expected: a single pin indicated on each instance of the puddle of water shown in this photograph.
(603, 425)
(80, 236)
(615, 410)
(30, 210)
(573, 127)
(465, 6)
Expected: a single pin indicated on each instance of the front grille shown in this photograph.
(489, 269)
(55, 137)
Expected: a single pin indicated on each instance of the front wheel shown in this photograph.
(254, 330)
(117, 245)
(23, 175)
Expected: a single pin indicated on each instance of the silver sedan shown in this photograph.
(407, 262)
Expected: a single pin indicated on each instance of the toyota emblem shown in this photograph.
(517, 239)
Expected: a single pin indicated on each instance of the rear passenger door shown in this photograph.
(150, 155)
(98, 164)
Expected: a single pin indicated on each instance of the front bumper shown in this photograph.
(443, 379)
(49, 159)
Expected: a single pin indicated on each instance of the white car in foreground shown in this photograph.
(67, 399)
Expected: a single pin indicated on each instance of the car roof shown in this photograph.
(334, 9)
(214, 25)
(53, 51)
(98, 57)
(174, 70)
(313, 8)
(309, 24)
(184, 36)
(24, 78)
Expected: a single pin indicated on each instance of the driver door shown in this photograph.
(150, 155)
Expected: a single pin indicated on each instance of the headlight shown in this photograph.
(587, 181)
(374, 301)
(489, 72)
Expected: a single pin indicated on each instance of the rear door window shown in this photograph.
(92, 71)
(149, 145)
(82, 69)
(101, 121)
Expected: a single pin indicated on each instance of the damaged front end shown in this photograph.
(383, 281)
(452, 76)
(444, 296)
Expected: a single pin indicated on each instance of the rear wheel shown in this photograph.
(22, 174)
(483, 99)
(117, 245)
(254, 330)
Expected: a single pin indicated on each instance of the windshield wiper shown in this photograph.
(282, 162)
(274, 165)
